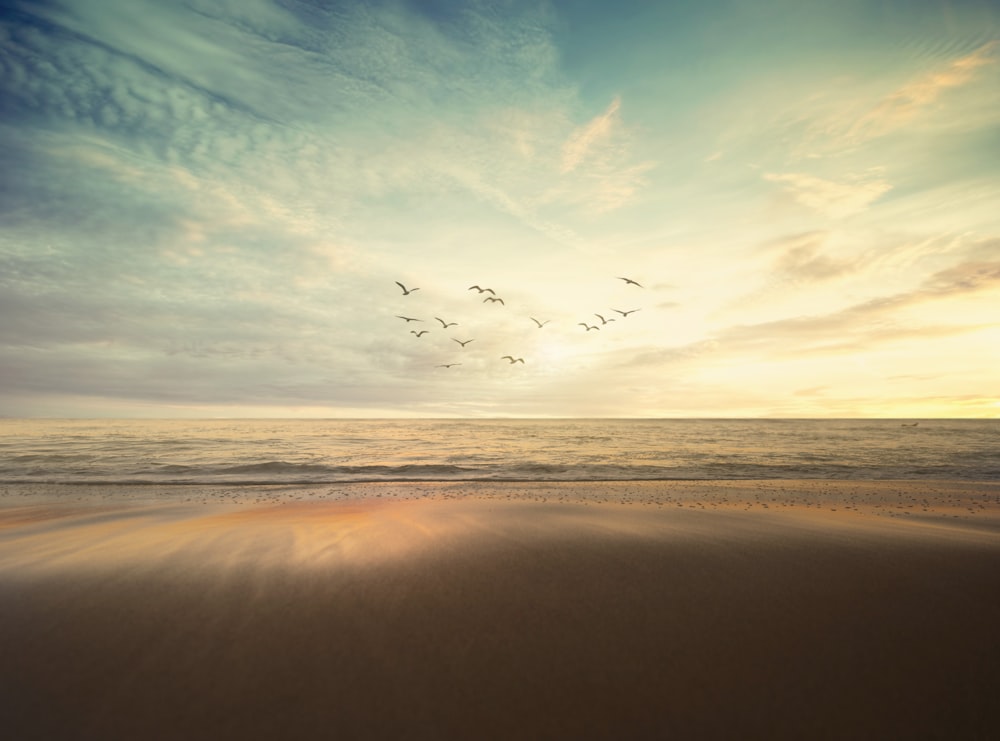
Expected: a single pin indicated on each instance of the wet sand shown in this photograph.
(698, 610)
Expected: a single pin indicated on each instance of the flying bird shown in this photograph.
(483, 290)
(445, 324)
(625, 313)
(629, 280)
(512, 359)
(406, 291)
(460, 342)
(603, 320)
(421, 332)
(446, 365)
(408, 318)
(540, 324)
(589, 327)
(493, 300)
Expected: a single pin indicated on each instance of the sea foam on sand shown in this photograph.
(650, 609)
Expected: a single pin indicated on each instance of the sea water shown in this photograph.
(268, 451)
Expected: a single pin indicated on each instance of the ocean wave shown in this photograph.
(596, 450)
(279, 472)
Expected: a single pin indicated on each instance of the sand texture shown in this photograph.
(759, 610)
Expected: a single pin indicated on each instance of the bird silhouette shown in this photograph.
(408, 318)
(406, 291)
(445, 324)
(512, 359)
(483, 290)
(460, 342)
(540, 324)
(629, 280)
(418, 334)
(493, 300)
(589, 327)
(603, 320)
(446, 365)
(625, 313)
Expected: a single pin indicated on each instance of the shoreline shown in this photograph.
(874, 494)
(724, 609)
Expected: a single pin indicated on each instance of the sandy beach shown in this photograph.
(862, 610)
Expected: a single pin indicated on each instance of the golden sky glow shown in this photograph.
(206, 207)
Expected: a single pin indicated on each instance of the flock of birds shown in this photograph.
(494, 299)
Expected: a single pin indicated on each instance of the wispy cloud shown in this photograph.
(801, 258)
(870, 322)
(852, 112)
(899, 107)
(592, 135)
(856, 328)
(602, 174)
(830, 197)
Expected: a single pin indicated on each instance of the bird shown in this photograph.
(446, 365)
(512, 359)
(625, 313)
(421, 332)
(445, 324)
(483, 290)
(493, 300)
(584, 324)
(408, 318)
(603, 320)
(629, 280)
(540, 324)
(460, 342)
(406, 291)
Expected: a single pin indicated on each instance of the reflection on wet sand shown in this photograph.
(372, 531)
(441, 618)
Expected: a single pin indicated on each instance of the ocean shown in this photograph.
(268, 451)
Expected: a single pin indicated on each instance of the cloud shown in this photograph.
(799, 257)
(852, 111)
(967, 277)
(866, 325)
(902, 105)
(812, 391)
(211, 199)
(870, 322)
(672, 355)
(585, 139)
(909, 251)
(596, 156)
(831, 198)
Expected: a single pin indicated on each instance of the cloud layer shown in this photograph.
(204, 208)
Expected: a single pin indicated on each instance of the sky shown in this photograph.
(206, 205)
